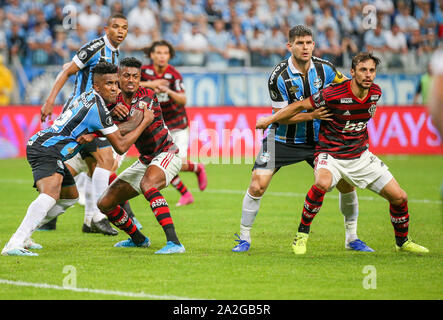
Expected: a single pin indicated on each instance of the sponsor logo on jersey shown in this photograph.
(346, 100)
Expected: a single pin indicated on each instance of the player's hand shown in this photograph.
(162, 88)
(86, 138)
(148, 115)
(262, 123)
(46, 110)
(322, 114)
(120, 111)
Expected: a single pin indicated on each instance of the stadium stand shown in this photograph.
(225, 33)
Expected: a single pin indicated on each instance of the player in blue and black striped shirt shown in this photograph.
(101, 156)
(294, 79)
(47, 149)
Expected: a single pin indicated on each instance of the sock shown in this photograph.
(100, 181)
(57, 209)
(400, 222)
(348, 203)
(312, 205)
(36, 212)
(192, 167)
(249, 212)
(179, 185)
(161, 211)
(119, 218)
(89, 201)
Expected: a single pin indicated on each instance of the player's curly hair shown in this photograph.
(158, 43)
(131, 62)
(103, 67)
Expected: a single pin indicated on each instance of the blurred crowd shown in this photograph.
(224, 33)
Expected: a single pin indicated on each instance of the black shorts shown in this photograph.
(275, 154)
(92, 146)
(44, 164)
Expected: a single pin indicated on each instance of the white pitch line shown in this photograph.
(96, 291)
(271, 193)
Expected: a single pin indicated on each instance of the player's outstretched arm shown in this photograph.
(320, 114)
(284, 114)
(68, 70)
(122, 143)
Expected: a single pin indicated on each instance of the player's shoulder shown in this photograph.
(92, 46)
(375, 87)
(320, 61)
(143, 92)
(277, 71)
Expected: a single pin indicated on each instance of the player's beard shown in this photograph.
(364, 85)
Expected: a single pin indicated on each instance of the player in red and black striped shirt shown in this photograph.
(342, 151)
(167, 82)
(157, 165)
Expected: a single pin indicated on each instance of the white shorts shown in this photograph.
(79, 164)
(181, 140)
(368, 171)
(170, 163)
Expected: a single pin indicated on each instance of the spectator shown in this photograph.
(40, 44)
(193, 10)
(238, 47)
(257, 48)
(89, 19)
(56, 20)
(212, 11)
(218, 39)
(275, 45)
(326, 20)
(329, 47)
(425, 17)
(7, 83)
(168, 12)
(60, 47)
(251, 22)
(195, 45)
(16, 40)
(16, 13)
(135, 42)
(174, 36)
(405, 21)
(143, 17)
(398, 48)
(375, 41)
(297, 12)
(75, 40)
(101, 9)
(269, 15)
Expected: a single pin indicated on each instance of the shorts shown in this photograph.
(170, 163)
(275, 154)
(97, 143)
(79, 164)
(181, 140)
(45, 165)
(368, 171)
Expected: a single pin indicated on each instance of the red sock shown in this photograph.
(312, 205)
(400, 221)
(179, 185)
(161, 211)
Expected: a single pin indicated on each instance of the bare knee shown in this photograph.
(256, 189)
(399, 198)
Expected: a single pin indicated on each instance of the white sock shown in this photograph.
(80, 182)
(250, 208)
(89, 201)
(37, 211)
(348, 203)
(57, 209)
(100, 182)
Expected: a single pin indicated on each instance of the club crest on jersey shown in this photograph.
(318, 83)
(372, 109)
(82, 55)
(60, 164)
(265, 157)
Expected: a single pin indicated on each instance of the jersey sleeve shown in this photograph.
(101, 119)
(89, 53)
(333, 75)
(277, 92)
(320, 99)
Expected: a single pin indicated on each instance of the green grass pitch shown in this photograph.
(208, 269)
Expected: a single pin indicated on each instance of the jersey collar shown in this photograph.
(108, 43)
(294, 70)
